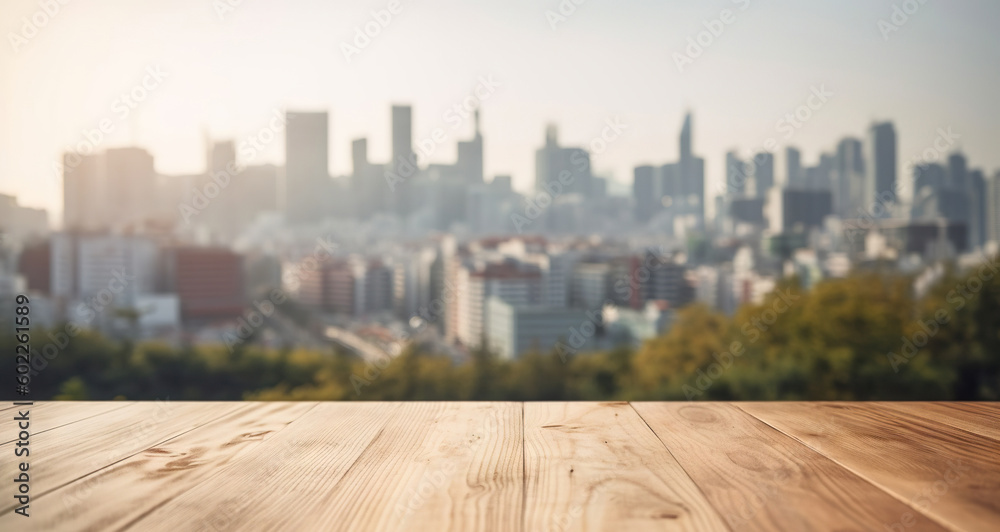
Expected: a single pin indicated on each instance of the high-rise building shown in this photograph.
(993, 208)
(83, 186)
(208, 282)
(797, 210)
(978, 207)
(736, 175)
(404, 161)
(691, 175)
(567, 167)
(307, 177)
(794, 176)
(848, 178)
(957, 171)
(470, 157)
(880, 156)
(645, 192)
(129, 185)
(763, 173)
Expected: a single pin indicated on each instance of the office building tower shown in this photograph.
(880, 156)
(129, 185)
(307, 177)
(403, 164)
(793, 168)
(569, 168)
(763, 173)
(691, 175)
(848, 178)
(993, 208)
(83, 197)
(957, 172)
(645, 192)
(798, 210)
(736, 175)
(470, 157)
(978, 206)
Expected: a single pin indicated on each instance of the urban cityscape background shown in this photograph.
(854, 270)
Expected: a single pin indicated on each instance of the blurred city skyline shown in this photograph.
(226, 71)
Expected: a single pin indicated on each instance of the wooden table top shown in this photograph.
(506, 466)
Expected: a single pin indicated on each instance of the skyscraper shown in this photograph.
(306, 166)
(993, 208)
(557, 165)
(736, 175)
(645, 192)
(880, 167)
(83, 185)
(763, 173)
(793, 168)
(470, 157)
(404, 160)
(130, 185)
(691, 174)
(978, 207)
(848, 178)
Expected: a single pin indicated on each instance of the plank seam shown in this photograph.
(63, 485)
(71, 422)
(680, 465)
(858, 474)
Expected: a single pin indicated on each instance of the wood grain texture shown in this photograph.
(152, 477)
(67, 453)
(761, 479)
(294, 471)
(597, 466)
(978, 418)
(434, 467)
(49, 415)
(131, 466)
(949, 474)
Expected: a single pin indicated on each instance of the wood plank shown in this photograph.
(973, 417)
(285, 475)
(119, 494)
(49, 415)
(949, 474)
(436, 467)
(67, 453)
(761, 479)
(597, 466)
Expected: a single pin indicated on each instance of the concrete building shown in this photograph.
(307, 177)
(517, 329)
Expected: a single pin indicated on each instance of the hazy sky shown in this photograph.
(225, 76)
